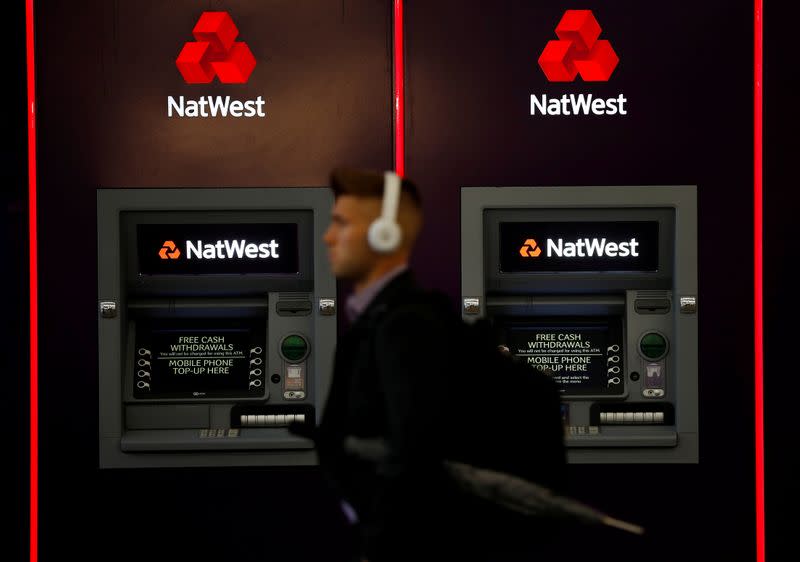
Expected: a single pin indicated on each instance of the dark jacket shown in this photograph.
(399, 376)
(390, 381)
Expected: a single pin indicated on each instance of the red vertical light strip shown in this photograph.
(759, 293)
(34, 326)
(399, 94)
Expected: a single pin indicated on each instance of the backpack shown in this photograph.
(502, 414)
(519, 429)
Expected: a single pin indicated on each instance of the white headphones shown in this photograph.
(384, 235)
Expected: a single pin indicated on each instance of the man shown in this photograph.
(389, 383)
(405, 397)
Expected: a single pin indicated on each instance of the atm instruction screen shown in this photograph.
(198, 360)
(583, 358)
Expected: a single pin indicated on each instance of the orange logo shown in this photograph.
(530, 249)
(169, 251)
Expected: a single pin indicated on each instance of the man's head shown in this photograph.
(359, 199)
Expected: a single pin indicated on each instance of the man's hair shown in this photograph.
(368, 183)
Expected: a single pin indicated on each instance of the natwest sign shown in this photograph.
(235, 248)
(530, 247)
(578, 51)
(215, 53)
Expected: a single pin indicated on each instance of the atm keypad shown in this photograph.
(622, 418)
(271, 420)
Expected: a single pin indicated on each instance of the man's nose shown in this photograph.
(327, 238)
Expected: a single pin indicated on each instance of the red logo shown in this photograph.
(215, 52)
(577, 50)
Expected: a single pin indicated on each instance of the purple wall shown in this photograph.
(471, 69)
(323, 70)
(104, 70)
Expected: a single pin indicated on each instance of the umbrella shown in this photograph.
(507, 490)
(529, 498)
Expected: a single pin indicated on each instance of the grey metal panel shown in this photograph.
(168, 285)
(167, 417)
(253, 447)
(685, 451)
(115, 458)
(575, 281)
(190, 440)
(683, 358)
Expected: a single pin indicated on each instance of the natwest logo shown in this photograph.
(169, 251)
(530, 249)
(578, 51)
(221, 249)
(215, 53)
(585, 248)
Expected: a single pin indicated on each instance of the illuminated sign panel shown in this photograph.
(180, 249)
(205, 358)
(583, 358)
(578, 51)
(215, 53)
(578, 246)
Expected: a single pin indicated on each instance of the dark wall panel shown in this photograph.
(781, 308)
(686, 71)
(104, 72)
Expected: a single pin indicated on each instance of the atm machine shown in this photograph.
(216, 322)
(597, 287)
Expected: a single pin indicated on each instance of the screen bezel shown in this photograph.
(197, 284)
(517, 233)
(284, 232)
(577, 281)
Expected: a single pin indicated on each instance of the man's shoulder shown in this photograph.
(405, 296)
(414, 313)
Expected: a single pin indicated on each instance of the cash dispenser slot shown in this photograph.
(190, 307)
(173, 416)
(547, 305)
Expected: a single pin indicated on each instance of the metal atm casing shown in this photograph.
(633, 303)
(232, 427)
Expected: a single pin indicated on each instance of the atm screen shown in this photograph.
(201, 359)
(538, 247)
(583, 357)
(181, 249)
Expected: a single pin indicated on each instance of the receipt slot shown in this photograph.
(597, 287)
(217, 325)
